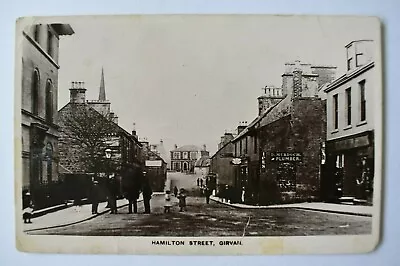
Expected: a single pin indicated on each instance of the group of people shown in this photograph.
(181, 196)
(131, 192)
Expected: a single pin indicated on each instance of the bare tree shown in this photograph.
(88, 134)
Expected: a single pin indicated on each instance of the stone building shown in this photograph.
(279, 151)
(349, 168)
(221, 162)
(39, 90)
(87, 130)
(183, 159)
(159, 149)
(155, 167)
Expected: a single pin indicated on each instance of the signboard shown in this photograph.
(286, 156)
(157, 163)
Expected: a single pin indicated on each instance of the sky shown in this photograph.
(188, 79)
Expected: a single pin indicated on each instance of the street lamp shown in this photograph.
(108, 153)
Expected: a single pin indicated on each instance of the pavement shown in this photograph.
(359, 210)
(70, 215)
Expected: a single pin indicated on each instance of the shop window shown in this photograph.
(340, 161)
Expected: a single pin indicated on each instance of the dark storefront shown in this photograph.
(349, 170)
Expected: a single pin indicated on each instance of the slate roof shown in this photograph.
(188, 148)
(203, 161)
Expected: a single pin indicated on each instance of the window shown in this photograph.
(363, 101)
(49, 102)
(340, 161)
(185, 155)
(335, 111)
(193, 155)
(348, 103)
(349, 63)
(35, 92)
(50, 43)
(36, 33)
(350, 55)
(177, 155)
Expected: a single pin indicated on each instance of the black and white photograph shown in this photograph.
(198, 134)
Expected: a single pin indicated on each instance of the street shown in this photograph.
(214, 219)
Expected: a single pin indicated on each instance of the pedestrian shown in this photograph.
(147, 192)
(201, 182)
(131, 188)
(27, 207)
(182, 200)
(207, 192)
(198, 181)
(95, 197)
(175, 191)
(113, 191)
(168, 202)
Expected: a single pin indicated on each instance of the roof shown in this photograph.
(349, 75)
(258, 119)
(203, 161)
(188, 148)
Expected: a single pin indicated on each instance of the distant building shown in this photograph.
(183, 159)
(221, 162)
(202, 166)
(39, 90)
(160, 151)
(155, 167)
(349, 168)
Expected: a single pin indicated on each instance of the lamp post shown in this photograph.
(108, 157)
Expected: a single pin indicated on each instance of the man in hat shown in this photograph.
(27, 207)
(147, 192)
(95, 196)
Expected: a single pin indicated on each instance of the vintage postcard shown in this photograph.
(198, 134)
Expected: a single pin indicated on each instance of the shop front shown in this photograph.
(350, 166)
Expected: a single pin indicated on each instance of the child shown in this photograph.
(27, 208)
(182, 200)
(168, 203)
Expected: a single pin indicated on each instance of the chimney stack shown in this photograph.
(77, 92)
(297, 81)
(176, 146)
(134, 130)
(242, 126)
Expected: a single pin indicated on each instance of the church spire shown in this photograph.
(102, 93)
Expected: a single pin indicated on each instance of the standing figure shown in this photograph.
(113, 191)
(207, 192)
(147, 192)
(95, 196)
(175, 191)
(27, 207)
(182, 200)
(198, 181)
(168, 202)
(201, 182)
